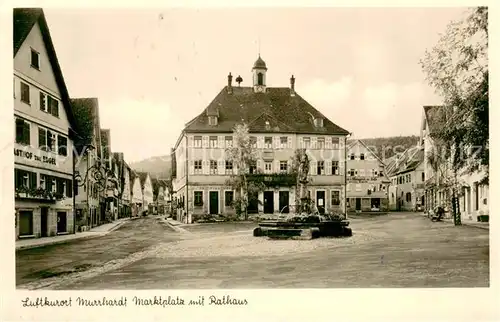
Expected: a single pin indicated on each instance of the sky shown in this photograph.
(155, 70)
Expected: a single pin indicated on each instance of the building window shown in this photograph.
(335, 198)
(362, 156)
(252, 167)
(268, 167)
(42, 181)
(229, 167)
(335, 168)
(198, 168)
(307, 143)
(321, 168)
(212, 120)
(213, 167)
(22, 131)
(35, 59)
(53, 106)
(43, 102)
(318, 122)
(423, 177)
(25, 223)
(351, 172)
(408, 197)
(268, 142)
(361, 172)
(198, 198)
(46, 140)
(24, 179)
(381, 174)
(335, 142)
(283, 166)
(197, 142)
(213, 142)
(229, 141)
(253, 142)
(25, 93)
(352, 156)
(260, 79)
(321, 143)
(228, 198)
(283, 142)
(62, 145)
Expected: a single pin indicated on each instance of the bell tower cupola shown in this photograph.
(259, 75)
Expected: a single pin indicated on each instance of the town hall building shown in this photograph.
(280, 121)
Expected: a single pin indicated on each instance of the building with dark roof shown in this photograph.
(473, 194)
(280, 120)
(89, 198)
(406, 172)
(367, 183)
(45, 131)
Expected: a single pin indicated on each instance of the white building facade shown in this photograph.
(45, 127)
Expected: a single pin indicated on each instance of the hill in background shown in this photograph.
(159, 166)
(389, 146)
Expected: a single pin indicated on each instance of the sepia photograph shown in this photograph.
(250, 148)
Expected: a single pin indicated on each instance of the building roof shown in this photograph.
(407, 161)
(86, 111)
(23, 21)
(260, 64)
(284, 112)
(142, 177)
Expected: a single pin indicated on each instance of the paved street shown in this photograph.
(395, 250)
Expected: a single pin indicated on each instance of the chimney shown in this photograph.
(229, 83)
(292, 86)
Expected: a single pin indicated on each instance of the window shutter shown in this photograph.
(43, 102)
(312, 168)
(328, 142)
(205, 141)
(301, 143)
(32, 180)
(206, 166)
(276, 141)
(26, 133)
(348, 187)
(222, 166)
(260, 142)
(191, 166)
(290, 145)
(259, 165)
(221, 142)
(341, 168)
(314, 142)
(328, 165)
(289, 167)
(69, 188)
(276, 166)
(55, 107)
(190, 142)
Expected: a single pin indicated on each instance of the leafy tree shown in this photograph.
(457, 67)
(243, 156)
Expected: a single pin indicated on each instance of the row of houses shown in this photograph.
(344, 177)
(66, 177)
(417, 184)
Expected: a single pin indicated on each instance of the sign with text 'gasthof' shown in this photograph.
(34, 157)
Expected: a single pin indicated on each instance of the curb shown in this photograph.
(177, 229)
(58, 242)
(468, 224)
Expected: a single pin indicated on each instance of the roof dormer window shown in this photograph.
(318, 122)
(212, 120)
